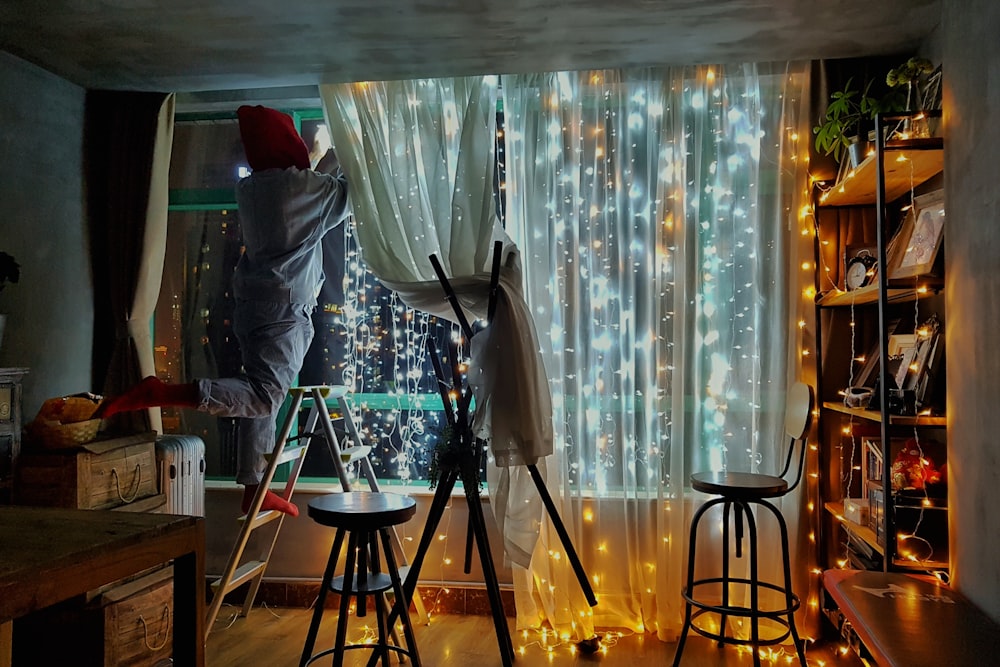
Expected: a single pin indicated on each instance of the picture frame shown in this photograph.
(903, 348)
(915, 246)
(868, 375)
(927, 362)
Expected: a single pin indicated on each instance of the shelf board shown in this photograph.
(860, 413)
(868, 294)
(858, 297)
(907, 165)
(836, 508)
(907, 564)
(868, 535)
(895, 420)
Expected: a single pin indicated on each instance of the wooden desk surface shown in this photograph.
(907, 620)
(48, 555)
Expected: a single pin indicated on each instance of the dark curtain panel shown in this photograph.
(119, 135)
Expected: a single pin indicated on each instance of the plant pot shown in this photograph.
(857, 151)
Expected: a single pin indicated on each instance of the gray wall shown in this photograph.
(971, 57)
(49, 311)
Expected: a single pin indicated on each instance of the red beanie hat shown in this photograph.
(270, 139)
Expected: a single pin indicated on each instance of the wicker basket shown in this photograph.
(68, 409)
(54, 435)
(65, 421)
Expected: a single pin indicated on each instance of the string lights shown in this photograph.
(652, 261)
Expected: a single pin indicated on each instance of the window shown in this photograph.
(365, 337)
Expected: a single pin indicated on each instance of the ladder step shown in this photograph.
(352, 454)
(334, 391)
(243, 574)
(264, 517)
(288, 454)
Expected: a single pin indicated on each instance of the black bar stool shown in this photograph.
(737, 491)
(363, 517)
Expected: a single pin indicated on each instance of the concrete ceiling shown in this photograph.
(202, 45)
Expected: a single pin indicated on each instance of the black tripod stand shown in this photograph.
(459, 458)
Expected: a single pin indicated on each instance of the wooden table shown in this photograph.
(49, 555)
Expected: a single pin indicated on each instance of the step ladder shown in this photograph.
(238, 572)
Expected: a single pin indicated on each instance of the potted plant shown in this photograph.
(10, 272)
(922, 81)
(846, 121)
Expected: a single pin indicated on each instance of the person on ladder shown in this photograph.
(285, 209)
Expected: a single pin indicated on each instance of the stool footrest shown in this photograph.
(398, 649)
(724, 638)
(376, 583)
(741, 612)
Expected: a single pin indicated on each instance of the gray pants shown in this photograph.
(274, 338)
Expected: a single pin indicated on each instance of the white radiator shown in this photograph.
(181, 460)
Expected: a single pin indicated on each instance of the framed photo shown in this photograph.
(919, 238)
(904, 349)
(868, 375)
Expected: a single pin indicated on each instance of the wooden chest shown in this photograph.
(102, 474)
(126, 625)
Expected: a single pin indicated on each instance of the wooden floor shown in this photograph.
(274, 637)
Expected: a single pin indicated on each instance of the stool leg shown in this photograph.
(727, 507)
(361, 609)
(345, 599)
(688, 591)
(373, 552)
(381, 614)
(324, 588)
(754, 584)
(402, 604)
(789, 595)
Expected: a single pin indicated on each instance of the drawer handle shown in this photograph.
(166, 630)
(118, 486)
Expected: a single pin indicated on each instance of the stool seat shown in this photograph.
(362, 510)
(742, 485)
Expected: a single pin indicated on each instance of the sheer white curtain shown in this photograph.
(420, 159)
(658, 213)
